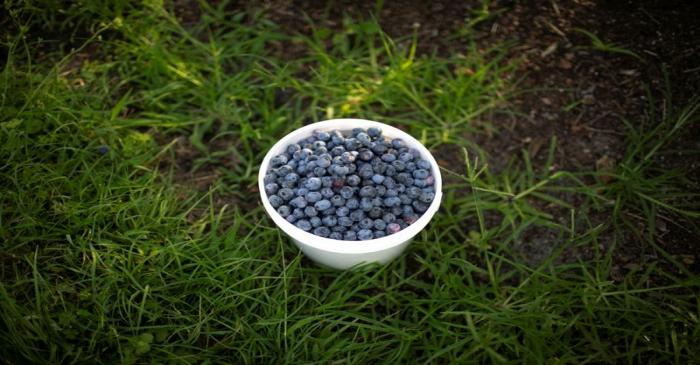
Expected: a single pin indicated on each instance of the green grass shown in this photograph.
(115, 258)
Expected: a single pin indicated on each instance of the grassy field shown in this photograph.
(132, 233)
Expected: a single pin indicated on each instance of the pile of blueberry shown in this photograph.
(355, 187)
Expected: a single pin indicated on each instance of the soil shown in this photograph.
(568, 89)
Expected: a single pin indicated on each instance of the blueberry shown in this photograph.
(346, 192)
(298, 202)
(398, 165)
(365, 234)
(352, 203)
(321, 151)
(366, 223)
(377, 179)
(379, 224)
(340, 170)
(322, 231)
(390, 171)
(387, 157)
(414, 192)
(405, 157)
(269, 178)
(356, 215)
(313, 196)
(350, 236)
(342, 211)
(403, 177)
(319, 171)
(282, 171)
(392, 228)
(377, 202)
(322, 204)
(397, 210)
(319, 144)
(336, 236)
(366, 171)
(414, 152)
(315, 221)
(326, 181)
(421, 183)
(329, 221)
(392, 201)
(323, 162)
(420, 174)
(292, 148)
(410, 219)
(365, 155)
(286, 193)
(303, 224)
(313, 183)
(102, 150)
(337, 151)
(353, 180)
(301, 154)
(351, 144)
(391, 192)
(401, 223)
(388, 218)
(375, 212)
(337, 138)
(310, 211)
(338, 182)
(364, 139)
(345, 221)
(430, 180)
(293, 164)
(419, 207)
(337, 201)
(356, 131)
(379, 167)
(405, 200)
(398, 143)
(298, 212)
(271, 188)
(291, 177)
(381, 190)
(389, 183)
(339, 228)
(366, 204)
(374, 132)
(323, 136)
(368, 191)
(355, 227)
(327, 193)
(407, 210)
(329, 211)
(426, 197)
(347, 157)
(291, 218)
(410, 166)
(284, 210)
(278, 160)
(423, 164)
(379, 148)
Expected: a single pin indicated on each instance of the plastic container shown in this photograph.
(347, 254)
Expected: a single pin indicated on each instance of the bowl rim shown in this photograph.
(341, 246)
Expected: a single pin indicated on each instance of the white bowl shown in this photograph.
(347, 254)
